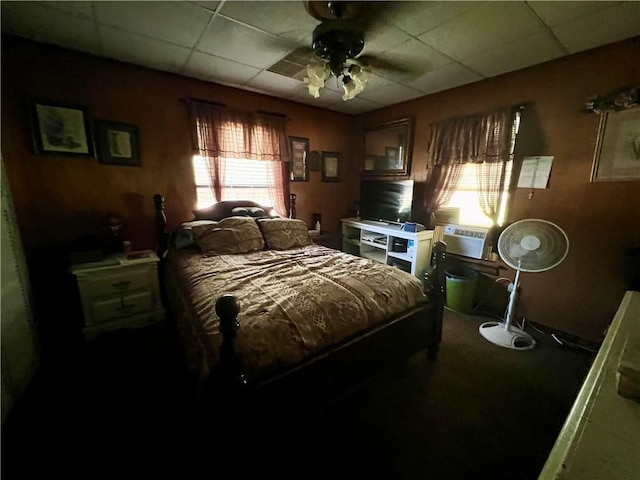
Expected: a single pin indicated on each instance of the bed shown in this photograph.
(264, 313)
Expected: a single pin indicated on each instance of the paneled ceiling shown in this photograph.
(431, 45)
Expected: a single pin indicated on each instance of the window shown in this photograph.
(466, 199)
(243, 180)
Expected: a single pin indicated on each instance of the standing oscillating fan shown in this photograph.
(531, 245)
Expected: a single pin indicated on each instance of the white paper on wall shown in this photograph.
(535, 172)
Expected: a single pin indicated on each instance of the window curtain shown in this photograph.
(221, 134)
(485, 138)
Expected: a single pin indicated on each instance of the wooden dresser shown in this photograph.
(601, 436)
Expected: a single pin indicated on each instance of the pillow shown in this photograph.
(239, 212)
(256, 212)
(184, 235)
(229, 235)
(284, 233)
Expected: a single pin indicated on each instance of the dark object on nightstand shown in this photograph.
(87, 248)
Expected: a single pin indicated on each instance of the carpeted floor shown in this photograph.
(121, 404)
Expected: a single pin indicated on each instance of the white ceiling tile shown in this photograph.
(557, 12)
(390, 94)
(420, 17)
(522, 53)
(77, 8)
(408, 61)
(228, 39)
(449, 76)
(208, 67)
(382, 36)
(42, 24)
(288, 20)
(484, 28)
(209, 5)
(358, 105)
(180, 23)
(273, 83)
(606, 26)
(140, 50)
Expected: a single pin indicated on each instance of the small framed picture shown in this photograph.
(60, 129)
(299, 159)
(315, 161)
(118, 143)
(330, 167)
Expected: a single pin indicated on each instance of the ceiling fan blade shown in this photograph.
(379, 64)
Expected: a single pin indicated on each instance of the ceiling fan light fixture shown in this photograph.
(317, 74)
(354, 80)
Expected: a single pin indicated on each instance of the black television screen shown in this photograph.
(386, 200)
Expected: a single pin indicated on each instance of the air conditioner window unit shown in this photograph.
(466, 240)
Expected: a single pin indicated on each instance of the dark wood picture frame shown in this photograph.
(330, 166)
(315, 161)
(299, 159)
(118, 143)
(60, 129)
(617, 154)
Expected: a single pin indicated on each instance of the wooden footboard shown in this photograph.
(335, 371)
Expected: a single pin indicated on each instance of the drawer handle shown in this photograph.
(125, 308)
(121, 285)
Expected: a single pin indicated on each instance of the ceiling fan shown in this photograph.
(338, 41)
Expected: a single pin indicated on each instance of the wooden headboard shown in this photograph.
(216, 212)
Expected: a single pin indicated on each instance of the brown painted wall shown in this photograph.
(58, 198)
(602, 220)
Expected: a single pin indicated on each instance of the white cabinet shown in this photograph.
(389, 244)
(119, 292)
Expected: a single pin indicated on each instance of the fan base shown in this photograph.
(509, 337)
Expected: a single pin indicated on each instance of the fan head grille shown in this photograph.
(533, 245)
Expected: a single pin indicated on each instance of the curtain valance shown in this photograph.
(482, 137)
(221, 132)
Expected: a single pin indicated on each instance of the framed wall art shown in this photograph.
(315, 161)
(60, 129)
(118, 143)
(299, 159)
(617, 155)
(330, 167)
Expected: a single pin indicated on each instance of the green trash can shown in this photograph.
(461, 283)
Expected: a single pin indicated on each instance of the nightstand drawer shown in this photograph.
(110, 308)
(120, 282)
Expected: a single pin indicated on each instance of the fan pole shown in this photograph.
(503, 333)
(512, 300)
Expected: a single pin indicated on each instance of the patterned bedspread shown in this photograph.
(293, 303)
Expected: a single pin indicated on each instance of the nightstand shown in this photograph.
(119, 292)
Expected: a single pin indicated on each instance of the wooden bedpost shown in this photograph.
(435, 290)
(162, 235)
(232, 374)
(292, 205)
